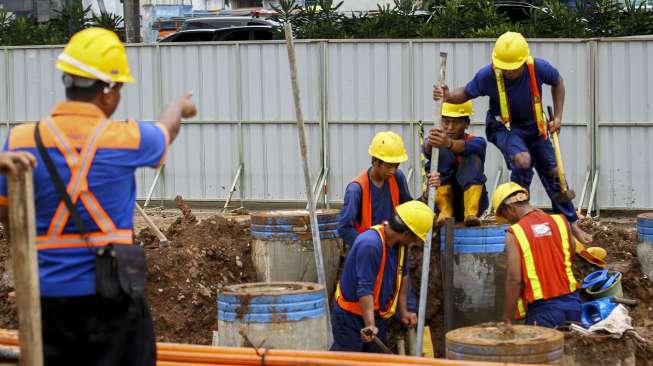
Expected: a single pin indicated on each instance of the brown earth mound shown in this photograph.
(183, 278)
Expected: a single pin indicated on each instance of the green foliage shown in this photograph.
(401, 19)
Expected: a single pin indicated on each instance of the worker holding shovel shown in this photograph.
(461, 166)
(373, 286)
(515, 121)
(91, 278)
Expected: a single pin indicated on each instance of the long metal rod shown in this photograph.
(315, 230)
(582, 195)
(233, 188)
(447, 289)
(426, 256)
(151, 190)
(595, 182)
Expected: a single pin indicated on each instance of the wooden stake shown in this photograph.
(22, 233)
(315, 230)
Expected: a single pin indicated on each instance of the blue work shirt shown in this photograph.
(122, 147)
(362, 266)
(518, 91)
(382, 208)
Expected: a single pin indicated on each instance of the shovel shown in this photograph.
(368, 332)
(566, 194)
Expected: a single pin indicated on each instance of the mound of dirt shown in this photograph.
(8, 315)
(183, 278)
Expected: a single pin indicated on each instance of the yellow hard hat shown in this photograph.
(598, 252)
(96, 53)
(417, 216)
(457, 110)
(503, 192)
(389, 147)
(510, 51)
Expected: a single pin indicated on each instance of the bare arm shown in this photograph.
(558, 96)
(367, 308)
(513, 278)
(455, 96)
(171, 116)
(403, 296)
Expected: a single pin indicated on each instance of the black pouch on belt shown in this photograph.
(120, 271)
(119, 268)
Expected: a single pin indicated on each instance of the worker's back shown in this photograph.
(546, 255)
(66, 263)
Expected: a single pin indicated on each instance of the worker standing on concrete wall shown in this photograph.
(373, 285)
(91, 277)
(540, 284)
(461, 165)
(515, 120)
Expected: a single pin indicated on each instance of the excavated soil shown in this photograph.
(206, 255)
(183, 278)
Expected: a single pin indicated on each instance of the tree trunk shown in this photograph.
(132, 21)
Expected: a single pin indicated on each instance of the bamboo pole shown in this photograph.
(22, 232)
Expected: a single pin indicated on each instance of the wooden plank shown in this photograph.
(22, 232)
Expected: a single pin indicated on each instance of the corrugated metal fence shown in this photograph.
(351, 90)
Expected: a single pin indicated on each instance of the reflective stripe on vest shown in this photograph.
(391, 307)
(534, 287)
(363, 180)
(536, 99)
(79, 165)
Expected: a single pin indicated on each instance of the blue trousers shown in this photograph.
(461, 174)
(346, 332)
(527, 139)
(553, 313)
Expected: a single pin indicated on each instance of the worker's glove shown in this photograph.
(368, 333)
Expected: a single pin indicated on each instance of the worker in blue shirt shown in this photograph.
(515, 122)
(373, 195)
(84, 322)
(373, 286)
(461, 164)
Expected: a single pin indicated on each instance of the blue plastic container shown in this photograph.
(594, 311)
(595, 278)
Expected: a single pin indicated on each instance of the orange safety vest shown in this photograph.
(544, 243)
(363, 180)
(536, 104)
(391, 307)
(79, 165)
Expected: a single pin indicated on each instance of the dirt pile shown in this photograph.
(8, 315)
(620, 241)
(183, 279)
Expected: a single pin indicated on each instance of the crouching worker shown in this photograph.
(374, 285)
(461, 164)
(540, 284)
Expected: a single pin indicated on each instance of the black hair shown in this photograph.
(398, 225)
(465, 119)
(81, 89)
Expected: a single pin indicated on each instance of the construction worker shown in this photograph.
(373, 285)
(372, 196)
(92, 317)
(461, 164)
(540, 284)
(515, 121)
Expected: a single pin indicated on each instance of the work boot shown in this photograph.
(472, 197)
(444, 201)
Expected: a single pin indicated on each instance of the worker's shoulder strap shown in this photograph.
(58, 182)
